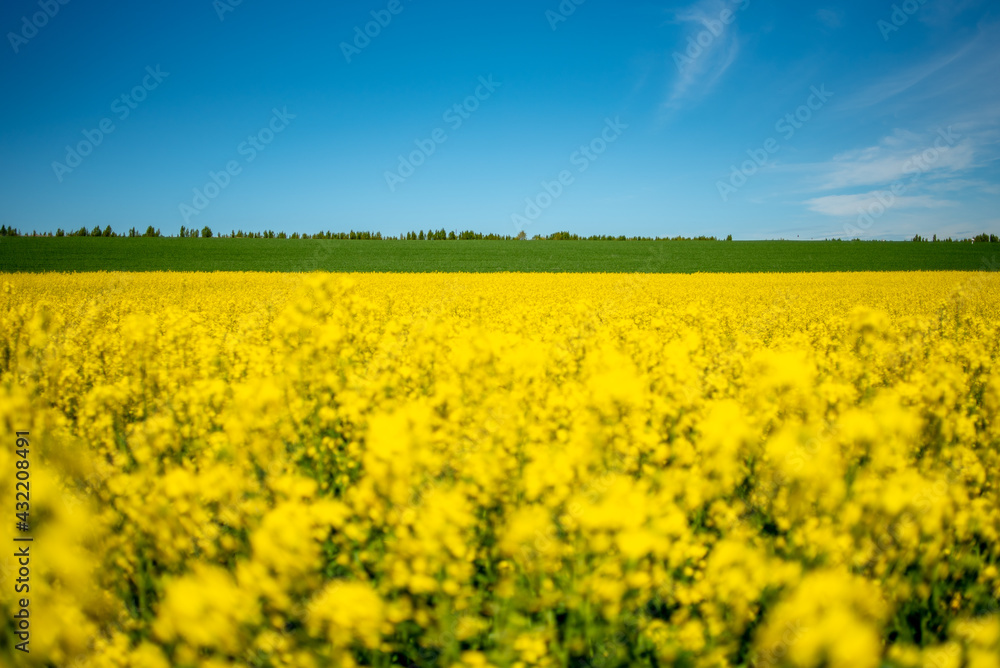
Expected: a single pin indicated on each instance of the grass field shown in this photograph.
(73, 254)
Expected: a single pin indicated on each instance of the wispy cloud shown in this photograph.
(953, 185)
(923, 170)
(851, 205)
(956, 72)
(904, 171)
(902, 81)
(709, 46)
(901, 156)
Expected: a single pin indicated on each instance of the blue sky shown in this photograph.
(760, 120)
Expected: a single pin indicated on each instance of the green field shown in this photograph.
(72, 254)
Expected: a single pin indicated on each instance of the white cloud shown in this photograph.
(902, 81)
(957, 74)
(853, 205)
(947, 95)
(900, 157)
(904, 171)
(953, 185)
(710, 45)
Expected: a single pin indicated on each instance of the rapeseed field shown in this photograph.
(504, 470)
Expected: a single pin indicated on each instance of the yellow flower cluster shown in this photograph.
(506, 470)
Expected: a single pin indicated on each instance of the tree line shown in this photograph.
(979, 238)
(420, 235)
